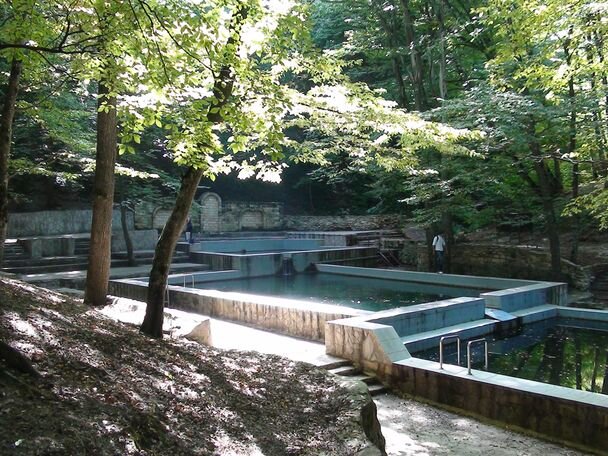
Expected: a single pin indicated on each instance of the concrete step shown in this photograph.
(345, 371)
(376, 389)
(349, 372)
(335, 364)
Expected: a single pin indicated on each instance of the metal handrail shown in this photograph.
(485, 342)
(188, 275)
(441, 348)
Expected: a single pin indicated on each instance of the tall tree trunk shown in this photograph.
(599, 46)
(124, 207)
(572, 119)
(545, 188)
(396, 65)
(401, 92)
(222, 91)
(153, 321)
(98, 272)
(6, 136)
(415, 59)
(443, 87)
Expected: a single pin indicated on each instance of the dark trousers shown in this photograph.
(439, 260)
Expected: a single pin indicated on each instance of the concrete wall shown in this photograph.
(142, 240)
(295, 318)
(565, 415)
(271, 263)
(50, 223)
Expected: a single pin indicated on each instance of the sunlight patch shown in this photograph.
(228, 446)
(22, 326)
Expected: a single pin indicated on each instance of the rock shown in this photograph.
(365, 418)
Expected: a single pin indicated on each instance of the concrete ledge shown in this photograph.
(295, 318)
(369, 345)
(487, 283)
(536, 294)
(430, 339)
(430, 316)
(563, 414)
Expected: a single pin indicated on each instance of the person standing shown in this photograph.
(189, 238)
(439, 247)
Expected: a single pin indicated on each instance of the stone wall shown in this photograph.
(497, 260)
(240, 216)
(141, 239)
(52, 223)
(342, 222)
(210, 215)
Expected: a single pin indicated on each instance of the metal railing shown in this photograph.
(441, 349)
(191, 277)
(469, 344)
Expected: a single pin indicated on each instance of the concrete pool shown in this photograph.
(384, 341)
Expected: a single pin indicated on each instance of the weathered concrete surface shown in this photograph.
(48, 223)
(296, 318)
(342, 222)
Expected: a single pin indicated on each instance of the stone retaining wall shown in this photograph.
(51, 223)
(497, 260)
(341, 222)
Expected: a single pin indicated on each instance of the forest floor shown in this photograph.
(106, 389)
(410, 427)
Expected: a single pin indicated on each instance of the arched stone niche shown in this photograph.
(211, 207)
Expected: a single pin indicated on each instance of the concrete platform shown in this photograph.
(115, 273)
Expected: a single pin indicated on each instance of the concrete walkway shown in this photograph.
(411, 428)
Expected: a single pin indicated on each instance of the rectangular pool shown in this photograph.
(354, 292)
(560, 351)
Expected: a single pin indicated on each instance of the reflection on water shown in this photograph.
(566, 352)
(355, 292)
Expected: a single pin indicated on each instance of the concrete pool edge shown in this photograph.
(567, 415)
(286, 316)
(579, 419)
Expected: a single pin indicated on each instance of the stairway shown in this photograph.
(599, 287)
(349, 372)
(13, 251)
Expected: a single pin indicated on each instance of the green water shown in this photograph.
(354, 292)
(566, 352)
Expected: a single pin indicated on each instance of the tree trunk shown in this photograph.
(443, 86)
(222, 91)
(389, 30)
(153, 321)
(415, 59)
(6, 136)
(572, 120)
(126, 234)
(545, 188)
(98, 272)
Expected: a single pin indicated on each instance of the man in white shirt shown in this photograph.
(439, 247)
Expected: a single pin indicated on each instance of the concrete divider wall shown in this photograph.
(260, 264)
(544, 409)
(295, 318)
(141, 239)
(430, 316)
(255, 245)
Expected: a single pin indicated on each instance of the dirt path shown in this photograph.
(413, 428)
